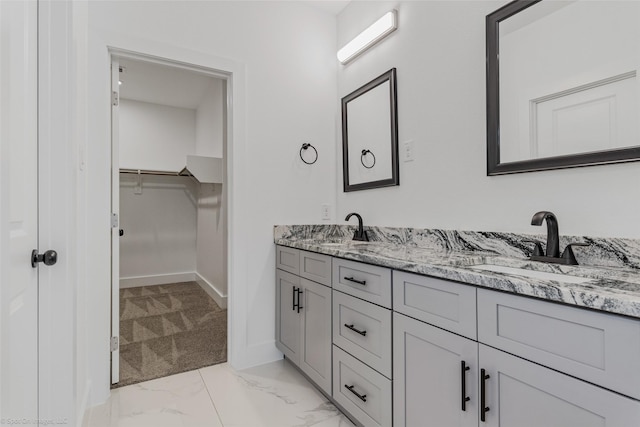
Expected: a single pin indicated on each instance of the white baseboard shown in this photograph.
(212, 290)
(160, 279)
(254, 355)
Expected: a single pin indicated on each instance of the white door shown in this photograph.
(18, 212)
(115, 227)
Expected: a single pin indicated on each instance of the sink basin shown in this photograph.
(543, 275)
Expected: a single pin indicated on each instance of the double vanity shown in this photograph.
(434, 328)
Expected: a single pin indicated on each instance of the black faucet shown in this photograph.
(553, 242)
(360, 234)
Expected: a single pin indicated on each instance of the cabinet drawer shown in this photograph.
(288, 259)
(365, 281)
(316, 267)
(600, 348)
(442, 303)
(363, 392)
(364, 330)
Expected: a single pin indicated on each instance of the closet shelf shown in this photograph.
(148, 172)
(205, 170)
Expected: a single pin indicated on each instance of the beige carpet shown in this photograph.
(167, 329)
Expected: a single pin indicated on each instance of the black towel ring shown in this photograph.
(364, 153)
(304, 147)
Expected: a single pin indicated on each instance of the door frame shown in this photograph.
(227, 76)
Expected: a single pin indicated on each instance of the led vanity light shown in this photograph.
(372, 35)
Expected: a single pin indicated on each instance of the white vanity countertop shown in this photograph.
(610, 289)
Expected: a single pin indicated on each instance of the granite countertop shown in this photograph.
(609, 289)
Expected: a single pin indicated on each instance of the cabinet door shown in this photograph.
(430, 381)
(287, 315)
(521, 393)
(315, 350)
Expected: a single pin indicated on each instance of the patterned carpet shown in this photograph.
(167, 329)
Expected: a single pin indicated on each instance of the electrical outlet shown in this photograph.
(325, 211)
(407, 151)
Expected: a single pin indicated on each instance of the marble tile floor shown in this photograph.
(270, 395)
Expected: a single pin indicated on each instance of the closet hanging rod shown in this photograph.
(148, 172)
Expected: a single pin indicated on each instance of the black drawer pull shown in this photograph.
(359, 282)
(463, 374)
(362, 397)
(363, 333)
(483, 394)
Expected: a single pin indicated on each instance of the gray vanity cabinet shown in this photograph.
(597, 347)
(315, 333)
(303, 314)
(362, 356)
(288, 323)
(524, 394)
(416, 351)
(527, 338)
(434, 372)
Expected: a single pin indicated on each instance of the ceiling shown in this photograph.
(162, 84)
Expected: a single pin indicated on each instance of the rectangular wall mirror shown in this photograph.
(562, 84)
(370, 135)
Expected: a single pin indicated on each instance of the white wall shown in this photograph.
(209, 121)
(439, 53)
(159, 244)
(155, 136)
(211, 241)
(282, 59)
(159, 226)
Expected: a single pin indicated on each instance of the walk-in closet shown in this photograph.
(170, 252)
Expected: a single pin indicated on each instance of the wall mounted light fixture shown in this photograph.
(372, 35)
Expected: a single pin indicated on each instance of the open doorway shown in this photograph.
(169, 257)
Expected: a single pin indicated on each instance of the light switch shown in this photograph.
(325, 211)
(407, 151)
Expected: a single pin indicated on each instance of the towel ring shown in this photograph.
(304, 147)
(362, 156)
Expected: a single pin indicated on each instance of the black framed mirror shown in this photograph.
(370, 135)
(562, 85)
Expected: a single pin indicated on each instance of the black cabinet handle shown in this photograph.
(293, 294)
(363, 333)
(463, 375)
(483, 395)
(359, 282)
(362, 397)
(299, 306)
